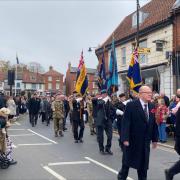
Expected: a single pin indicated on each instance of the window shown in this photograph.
(123, 55)
(57, 85)
(33, 78)
(142, 17)
(18, 85)
(33, 86)
(24, 86)
(40, 86)
(143, 57)
(74, 84)
(49, 78)
(49, 86)
(159, 46)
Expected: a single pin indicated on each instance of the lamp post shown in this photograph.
(137, 35)
(91, 48)
(170, 62)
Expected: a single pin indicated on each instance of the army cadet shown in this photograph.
(58, 114)
(90, 115)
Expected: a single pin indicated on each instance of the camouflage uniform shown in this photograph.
(58, 116)
(90, 117)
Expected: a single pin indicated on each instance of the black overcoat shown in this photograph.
(139, 132)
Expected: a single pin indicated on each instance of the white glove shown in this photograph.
(78, 99)
(119, 112)
(125, 102)
(106, 99)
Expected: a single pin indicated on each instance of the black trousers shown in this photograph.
(123, 173)
(175, 169)
(33, 119)
(78, 134)
(100, 137)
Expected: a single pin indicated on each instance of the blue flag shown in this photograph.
(102, 81)
(112, 85)
(134, 74)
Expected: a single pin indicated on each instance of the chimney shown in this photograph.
(50, 68)
(69, 65)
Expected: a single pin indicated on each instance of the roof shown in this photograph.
(89, 70)
(158, 11)
(53, 72)
(34, 78)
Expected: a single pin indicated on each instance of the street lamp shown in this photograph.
(91, 48)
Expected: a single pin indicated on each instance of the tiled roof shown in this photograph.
(158, 11)
(53, 72)
(31, 77)
(89, 70)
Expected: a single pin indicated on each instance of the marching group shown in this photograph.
(140, 119)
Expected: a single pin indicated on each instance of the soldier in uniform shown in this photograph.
(58, 115)
(90, 115)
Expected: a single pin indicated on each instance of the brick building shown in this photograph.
(159, 22)
(53, 80)
(71, 79)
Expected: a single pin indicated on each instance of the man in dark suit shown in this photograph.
(103, 121)
(34, 107)
(139, 128)
(175, 169)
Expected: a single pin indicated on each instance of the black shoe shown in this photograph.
(12, 162)
(108, 151)
(81, 141)
(61, 134)
(167, 175)
(76, 141)
(102, 152)
(64, 129)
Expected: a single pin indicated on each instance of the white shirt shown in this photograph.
(143, 105)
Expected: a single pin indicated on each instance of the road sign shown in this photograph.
(144, 50)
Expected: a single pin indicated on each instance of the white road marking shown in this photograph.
(14, 146)
(68, 163)
(105, 167)
(16, 123)
(167, 149)
(58, 176)
(35, 144)
(16, 129)
(43, 136)
(15, 135)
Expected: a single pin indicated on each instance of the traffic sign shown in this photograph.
(144, 50)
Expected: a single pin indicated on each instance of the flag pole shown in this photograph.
(137, 35)
(15, 78)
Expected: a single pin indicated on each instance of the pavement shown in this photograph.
(41, 156)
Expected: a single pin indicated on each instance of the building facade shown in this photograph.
(70, 80)
(53, 81)
(157, 27)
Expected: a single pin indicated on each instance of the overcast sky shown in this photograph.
(55, 32)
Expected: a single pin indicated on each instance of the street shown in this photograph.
(41, 156)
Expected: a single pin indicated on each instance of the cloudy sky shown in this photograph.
(54, 32)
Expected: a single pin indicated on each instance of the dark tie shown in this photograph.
(146, 112)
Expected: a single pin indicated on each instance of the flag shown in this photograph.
(134, 74)
(81, 79)
(102, 81)
(112, 84)
(17, 60)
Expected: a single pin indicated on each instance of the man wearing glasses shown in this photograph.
(138, 130)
